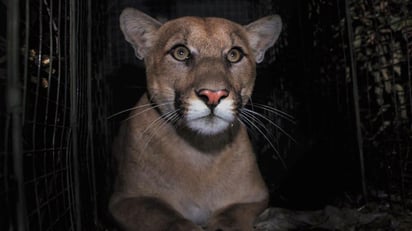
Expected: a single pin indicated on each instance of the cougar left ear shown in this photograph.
(262, 34)
(139, 30)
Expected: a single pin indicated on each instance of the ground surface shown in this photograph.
(373, 216)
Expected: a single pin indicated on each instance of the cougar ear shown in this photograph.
(139, 30)
(262, 34)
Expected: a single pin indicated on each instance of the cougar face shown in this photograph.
(200, 70)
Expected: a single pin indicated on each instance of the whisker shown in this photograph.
(254, 120)
(275, 111)
(127, 110)
(147, 109)
(264, 130)
(159, 123)
(248, 121)
(142, 106)
(271, 122)
(250, 130)
(164, 117)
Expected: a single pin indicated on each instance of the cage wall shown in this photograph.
(53, 114)
(361, 57)
(381, 45)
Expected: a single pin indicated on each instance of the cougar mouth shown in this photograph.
(209, 119)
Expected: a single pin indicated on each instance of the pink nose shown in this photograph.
(212, 97)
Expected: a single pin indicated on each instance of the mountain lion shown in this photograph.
(184, 158)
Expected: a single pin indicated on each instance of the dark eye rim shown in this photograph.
(241, 54)
(174, 48)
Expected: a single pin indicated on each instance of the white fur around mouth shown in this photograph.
(200, 118)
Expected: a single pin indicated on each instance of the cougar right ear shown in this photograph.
(139, 30)
(262, 34)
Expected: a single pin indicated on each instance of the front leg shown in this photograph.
(149, 214)
(237, 217)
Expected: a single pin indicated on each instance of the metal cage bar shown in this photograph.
(14, 107)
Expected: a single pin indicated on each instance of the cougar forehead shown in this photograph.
(205, 36)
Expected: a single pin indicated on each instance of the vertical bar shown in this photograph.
(34, 115)
(74, 30)
(46, 154)
(407, 36)
(90, 104)
(355, 89)
(14, 107)
(26, 58)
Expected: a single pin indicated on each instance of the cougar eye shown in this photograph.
(180, 53)
(234, 55)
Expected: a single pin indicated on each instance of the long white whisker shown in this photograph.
(133, 108)
(254, 133)
(278, 112)
(164, 117)
(159, 123)
(263, 126)
(127, 110)
(245, 117)
(271, 122)
(145, 110)
(253, 119)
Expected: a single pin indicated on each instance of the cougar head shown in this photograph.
(200, 71)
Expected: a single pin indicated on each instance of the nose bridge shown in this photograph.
(211, 74)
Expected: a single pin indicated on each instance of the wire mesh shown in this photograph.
(59, 69)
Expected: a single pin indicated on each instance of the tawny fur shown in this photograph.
(176, 174)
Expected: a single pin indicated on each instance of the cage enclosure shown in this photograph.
(341, 69)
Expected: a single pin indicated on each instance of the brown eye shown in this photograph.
(234, 55)
(180, 53)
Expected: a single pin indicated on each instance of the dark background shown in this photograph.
(347, 85)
